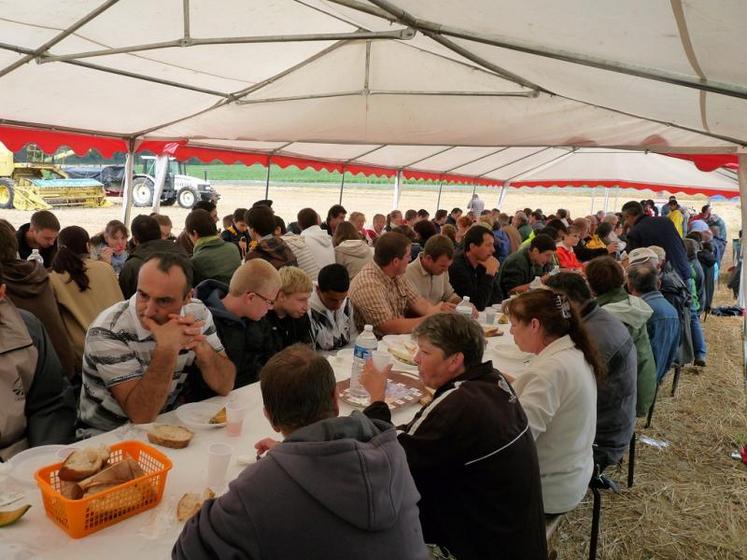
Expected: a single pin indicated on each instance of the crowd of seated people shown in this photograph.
(133, 322)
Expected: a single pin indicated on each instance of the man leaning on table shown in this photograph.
(382, 295)
(137, 351)
(470, 450)
(336, 488)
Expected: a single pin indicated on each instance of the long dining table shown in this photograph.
(151, 534)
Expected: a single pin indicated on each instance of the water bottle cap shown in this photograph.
(465, 299)
(368, 327)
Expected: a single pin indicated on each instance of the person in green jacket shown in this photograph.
(212, 258)
(606, 279)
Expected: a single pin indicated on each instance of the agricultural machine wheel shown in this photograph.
(168, 201)
(187, 197)
(142, 192)
(6, 193)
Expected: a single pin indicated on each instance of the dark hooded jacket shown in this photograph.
(137, 258)
(334, 490)
(616, 392)
(275, 251)
(29, 288)
(246, 341)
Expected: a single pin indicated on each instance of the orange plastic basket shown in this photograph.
(79, 518)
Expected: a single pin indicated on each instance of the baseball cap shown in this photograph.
(698, 225)
(643, 255)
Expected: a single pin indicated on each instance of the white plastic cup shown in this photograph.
(219, 456)
(235, 414)
(381, 359)
(489, 315)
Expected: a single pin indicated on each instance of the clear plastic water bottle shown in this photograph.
(36, 256)
(365, 345)
(465, 307)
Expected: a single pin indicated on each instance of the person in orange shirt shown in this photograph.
(566, 256)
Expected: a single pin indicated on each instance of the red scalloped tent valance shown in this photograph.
(16, 138)
(591, 183)
(709, 162)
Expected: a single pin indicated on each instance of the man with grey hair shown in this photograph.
(664, 325)
(470, 450)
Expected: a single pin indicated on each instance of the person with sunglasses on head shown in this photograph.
(239, 311)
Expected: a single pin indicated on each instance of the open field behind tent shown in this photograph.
(370, 199)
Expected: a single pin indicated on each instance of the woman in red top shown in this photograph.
(566, 256)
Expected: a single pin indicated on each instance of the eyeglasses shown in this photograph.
(268, 301)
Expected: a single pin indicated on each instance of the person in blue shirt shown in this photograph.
(664, 325)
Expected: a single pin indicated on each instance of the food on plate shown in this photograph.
(10, 517)
(220, 417)
(83, 463)
(491, 330)
(403, 354)
(165, 435)
(190, 503)
(503, 319)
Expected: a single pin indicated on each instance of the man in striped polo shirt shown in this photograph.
(137, 351)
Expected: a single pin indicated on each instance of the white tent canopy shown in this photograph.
(420, 76)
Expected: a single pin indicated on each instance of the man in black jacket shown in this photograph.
(646, 231)
(238, 312)
(473, 272)
(470, 451)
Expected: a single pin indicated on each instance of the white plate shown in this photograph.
(25, 464)
(198, 415)
(398, 341)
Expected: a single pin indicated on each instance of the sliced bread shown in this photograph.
(83, 463)
(190, 503)
(175, 437)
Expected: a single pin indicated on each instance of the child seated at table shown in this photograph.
(566, 256)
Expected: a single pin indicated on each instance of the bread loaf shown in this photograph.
(175, 437)
(83, 463)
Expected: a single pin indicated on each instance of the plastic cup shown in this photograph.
(381, 359)
(235, 414)
(219, 456)
(489, 315)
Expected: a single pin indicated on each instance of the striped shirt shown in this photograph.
(377, 298)
(118, 349)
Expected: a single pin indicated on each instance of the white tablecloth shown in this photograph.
(151, 534)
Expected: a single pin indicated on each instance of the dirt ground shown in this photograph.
(288, 200)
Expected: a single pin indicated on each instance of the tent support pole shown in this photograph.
(267, 181)
(502, 196)
(606, 200)
(591, 210)
(342, 184)
(742, 175)
(474, 189)
(127, 193)
(161, 167)
(438, 200)
(397, 187)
